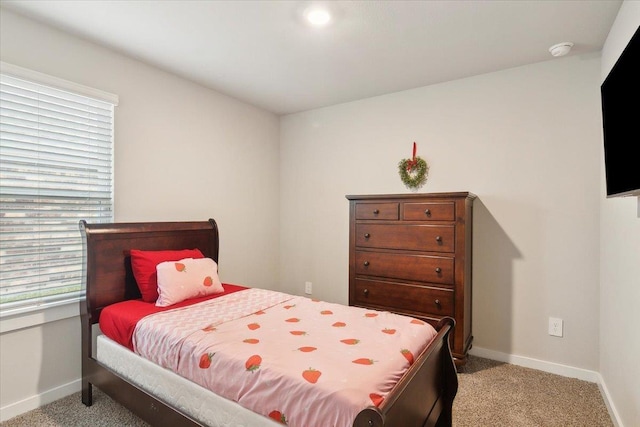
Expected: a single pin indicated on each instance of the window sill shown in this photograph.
(44, 314)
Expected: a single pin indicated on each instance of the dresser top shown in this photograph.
(459, 194)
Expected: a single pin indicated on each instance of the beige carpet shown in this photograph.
(499, 394)
(490, 394)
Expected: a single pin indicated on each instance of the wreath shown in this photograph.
(413, 172)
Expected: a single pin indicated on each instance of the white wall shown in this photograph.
(525, 140)
(182, 152)
(620, 263)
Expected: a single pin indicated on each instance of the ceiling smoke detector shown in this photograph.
(560, 49)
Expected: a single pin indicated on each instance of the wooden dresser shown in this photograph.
(411, 254)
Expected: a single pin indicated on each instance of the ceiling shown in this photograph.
(263, 53)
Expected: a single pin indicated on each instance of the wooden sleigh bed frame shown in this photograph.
(423, 396)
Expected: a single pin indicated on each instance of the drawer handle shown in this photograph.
(427, 212)
(438, 270)
(367, 235)
(439, 239)
(438, 303)
(376, 211)
(366, 292)
(366, 263)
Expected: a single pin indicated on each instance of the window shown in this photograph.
(56, 167)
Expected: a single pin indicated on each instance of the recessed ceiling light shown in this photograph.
(318, 17)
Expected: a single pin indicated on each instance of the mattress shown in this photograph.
(188, 397)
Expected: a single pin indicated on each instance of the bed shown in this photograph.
(423, 395)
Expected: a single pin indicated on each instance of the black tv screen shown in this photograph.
(620, 94)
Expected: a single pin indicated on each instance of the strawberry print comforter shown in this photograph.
(302, 362)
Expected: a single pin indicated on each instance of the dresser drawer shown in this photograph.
(420, 268)
(436, 238)
(404, 297)
(387, 211)
(445, 211)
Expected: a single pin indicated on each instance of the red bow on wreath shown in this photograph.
(413, 162)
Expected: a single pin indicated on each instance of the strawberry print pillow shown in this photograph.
(185, 279)
(143, 264)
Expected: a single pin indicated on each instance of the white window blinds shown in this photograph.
(56, 167)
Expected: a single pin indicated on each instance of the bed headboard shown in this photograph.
(107, 277)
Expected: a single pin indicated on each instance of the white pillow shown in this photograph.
(185, 279)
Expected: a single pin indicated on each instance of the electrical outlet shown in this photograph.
(308, 288)
(555, 326)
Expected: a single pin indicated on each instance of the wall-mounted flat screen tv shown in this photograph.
(621, 122)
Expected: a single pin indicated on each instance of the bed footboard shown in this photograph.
(424, 396)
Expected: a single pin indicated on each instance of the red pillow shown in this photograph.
(143, 264)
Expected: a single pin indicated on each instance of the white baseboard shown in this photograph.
(540, 365)
(553, 368)
(34, 402)
(613, 412)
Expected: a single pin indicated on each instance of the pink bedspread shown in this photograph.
(301, 361)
